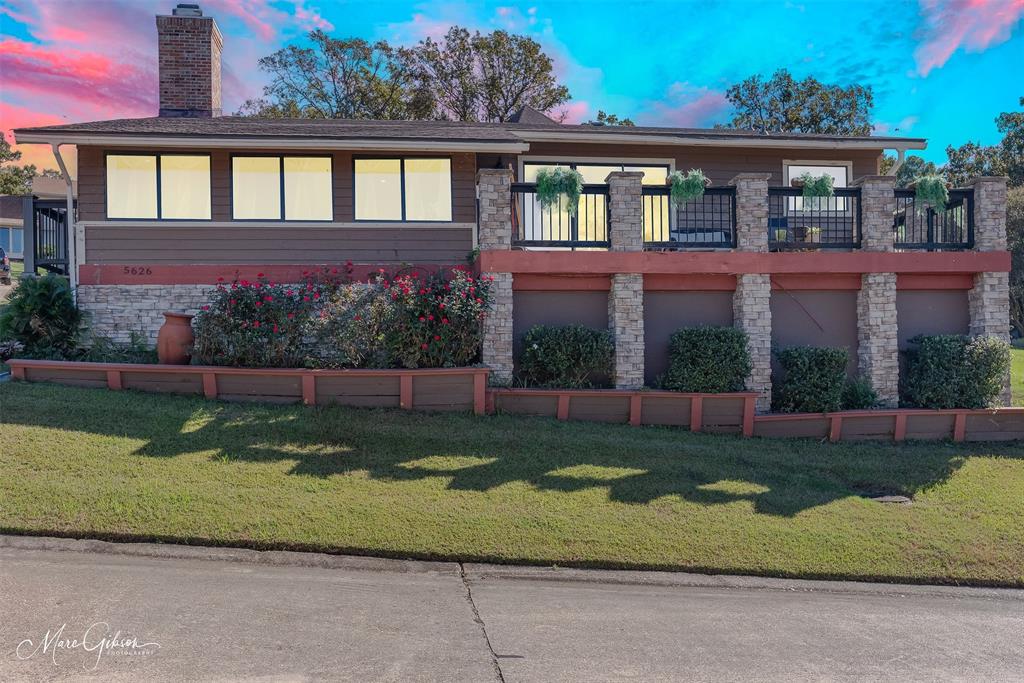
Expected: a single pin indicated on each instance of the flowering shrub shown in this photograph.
(407, 321)
(436, 322)
(261, 324)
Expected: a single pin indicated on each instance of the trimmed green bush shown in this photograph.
(814, 381)
(569, 357)
(858, 394)
(707, 360)
(953, 371)
(41, 315)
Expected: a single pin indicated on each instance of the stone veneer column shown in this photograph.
(877, 322)
(495, 234)
(989, 300)
(751, 303)
(626, 297)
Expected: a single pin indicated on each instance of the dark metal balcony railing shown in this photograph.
(796, 222)
(553, 227)
(706, 222)
(921, 227)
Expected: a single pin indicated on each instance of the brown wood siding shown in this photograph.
(721, 164)
(162, 242)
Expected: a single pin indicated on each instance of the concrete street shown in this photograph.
(197, 614)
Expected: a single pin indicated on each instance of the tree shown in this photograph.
(1015, 243)
(474, 77)
(1011, 125)
(335, 78)
(784, 105)
(973, 159)
(913, 168)
(609, 120)
(14, 179)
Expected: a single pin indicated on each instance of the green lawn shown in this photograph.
(126, 465)
(1017, 375)
(17, 268)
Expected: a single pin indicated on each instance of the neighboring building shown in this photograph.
(169, 204)
(12, 234)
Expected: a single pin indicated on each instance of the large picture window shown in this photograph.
(158, 186)
(840, 173)
(281, 188)
(403, 189)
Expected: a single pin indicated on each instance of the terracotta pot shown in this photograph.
(174, 343)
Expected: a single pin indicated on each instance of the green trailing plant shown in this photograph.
(814, 379)
(686, 188)
(954, 371)
(858, 394)
(817, 186)
(567, 357)
(553, 183)
(41, 315)
(930, 190)
(707, 360)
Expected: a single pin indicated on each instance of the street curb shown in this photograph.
(478, 573)
(266, 558)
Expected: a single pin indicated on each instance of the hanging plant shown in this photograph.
(688, 187)
(553, 183)
(931, 190)
(815, 186)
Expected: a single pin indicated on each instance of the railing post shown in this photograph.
(494, 190)
(751, 303)
(626, 296)
(28, 235)
(877, 323)
(989, 299)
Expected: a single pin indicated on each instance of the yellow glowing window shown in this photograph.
(256, 188)
(307, 189)
(413, 189)
(131, 186)
(184, 187)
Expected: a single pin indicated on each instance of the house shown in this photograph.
(169, 204)
(12, 238)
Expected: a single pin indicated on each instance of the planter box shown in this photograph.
(442, 389)
(722, 413)
(995, 424)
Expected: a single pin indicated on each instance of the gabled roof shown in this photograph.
(412, 135)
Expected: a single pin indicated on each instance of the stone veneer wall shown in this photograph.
(989, 300)
(494, 187)
(116, 311)
(626, 296)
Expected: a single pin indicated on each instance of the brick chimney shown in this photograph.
(189, 45)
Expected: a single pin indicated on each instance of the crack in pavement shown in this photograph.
(480, 621)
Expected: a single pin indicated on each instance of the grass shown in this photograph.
(124, 465)
(1017, 374)
(17, 268)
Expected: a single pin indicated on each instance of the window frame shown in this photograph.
(401, 178)
(159, 191)
(821, 163)
(280, 178)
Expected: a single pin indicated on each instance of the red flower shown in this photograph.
(259, 274)
(334, 271)
(430, 317)
(425, 346)
(275, 328)
(441, 306)
(305, 298)
(255, 323)
(422, 319)
(444, 321)
(291, 315)
(358, 317)
(437, 337)
(268, 298)
(220, 279)
(289, 292)
(232, 301)
(316, 295)
(258, 304)
(245, 283)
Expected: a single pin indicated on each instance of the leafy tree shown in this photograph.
(604, 119)
(783, 104)
(14, 179)
(1011, 125)
(1015, 241)
(1005, 158)
(339, 78)
(475, 77)
(913, 168)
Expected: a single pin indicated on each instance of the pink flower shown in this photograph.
(422, 319)
(275, 328)
(259, 274)
(441, 306)
(258, 304)
(425, 346)
(430, 317)
(437, 337)
(444, 321)
(291, 316)
(268, 298)
(255, 323)
(206, 308)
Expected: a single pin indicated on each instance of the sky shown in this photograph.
(940, 69)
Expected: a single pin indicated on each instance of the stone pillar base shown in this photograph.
(751, 307)
(877, 340)
(626, 320)
(496, 350)
(989, 305)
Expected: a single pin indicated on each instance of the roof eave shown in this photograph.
(312, 143)
(722, 141)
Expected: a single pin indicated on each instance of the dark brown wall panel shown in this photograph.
(719, 164)
(162, 242)
(666, 312)
(931, 312)
(557, 308)
(801, 318)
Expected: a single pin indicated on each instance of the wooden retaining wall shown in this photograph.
(442, 389)
(453, 389)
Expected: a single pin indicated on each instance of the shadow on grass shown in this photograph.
(635, 466)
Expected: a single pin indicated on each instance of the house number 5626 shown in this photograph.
(138, 270)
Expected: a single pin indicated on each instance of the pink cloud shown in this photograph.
(13, 116)
(688, 106)
(974, 25)
(574, 112)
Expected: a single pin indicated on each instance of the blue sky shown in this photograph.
(940, 69)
